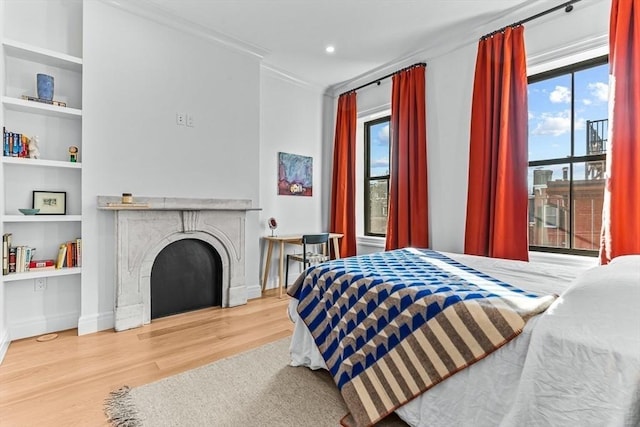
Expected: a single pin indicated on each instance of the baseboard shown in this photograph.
(254, 291)
(42, 325)
(96, 322)
(4, 343)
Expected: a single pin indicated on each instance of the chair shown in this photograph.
(314, 250)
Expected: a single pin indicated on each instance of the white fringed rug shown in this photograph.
(255, 388)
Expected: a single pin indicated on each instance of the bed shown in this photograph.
(505, 386)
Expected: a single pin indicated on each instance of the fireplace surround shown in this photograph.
(144, 229)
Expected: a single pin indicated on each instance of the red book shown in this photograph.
(37, 263)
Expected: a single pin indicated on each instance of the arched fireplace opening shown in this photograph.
(186, 275)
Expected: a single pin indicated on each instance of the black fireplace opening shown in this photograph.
(186, 275)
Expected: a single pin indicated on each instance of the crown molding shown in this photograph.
(289, 77)
(145, 9)
(589, 48)
(445, 42)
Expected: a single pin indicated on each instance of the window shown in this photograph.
(376, 176)
(568, 126)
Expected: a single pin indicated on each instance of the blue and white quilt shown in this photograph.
(391, 325)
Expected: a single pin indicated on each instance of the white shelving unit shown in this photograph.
(56, 50)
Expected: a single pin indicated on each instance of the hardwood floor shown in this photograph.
(64, 382)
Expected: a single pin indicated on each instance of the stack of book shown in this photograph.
(44, 101)
(69, 254)
(14, 144)
(20, 259)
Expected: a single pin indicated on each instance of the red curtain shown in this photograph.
(621, 213)
(343, 188)
(497, 208)
(407, 221)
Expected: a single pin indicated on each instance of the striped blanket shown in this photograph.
(391, 325)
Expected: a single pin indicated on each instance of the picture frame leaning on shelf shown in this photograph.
(50, 202)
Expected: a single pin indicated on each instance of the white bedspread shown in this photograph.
(482, 394)
(583, 365)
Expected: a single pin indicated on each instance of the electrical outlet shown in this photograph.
(40, 284)
(180, 119)
(190, 121)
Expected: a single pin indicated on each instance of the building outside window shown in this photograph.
(376, 180)
(568, 127)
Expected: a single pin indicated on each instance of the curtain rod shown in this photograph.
(417, 64)
(567, 8)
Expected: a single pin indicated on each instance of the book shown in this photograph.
(5, 142)
(62, 253)
(127, 205)
(19, 259)
(44, 101)
(6, 243)
(49, 267)
(12, 259)
(69, 256)
(79, 252)
(39, 263)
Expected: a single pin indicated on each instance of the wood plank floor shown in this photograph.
(65, 381)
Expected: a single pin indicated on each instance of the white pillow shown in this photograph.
(627, 260)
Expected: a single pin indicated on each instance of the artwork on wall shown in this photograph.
(295, 175)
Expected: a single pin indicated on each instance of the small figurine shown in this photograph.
(73, 154)
(34, 150)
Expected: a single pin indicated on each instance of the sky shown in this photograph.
(550, 116)
(379, 149)
(549, 119)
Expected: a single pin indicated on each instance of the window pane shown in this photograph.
(550, 118)
(379, 149)
(549, 206)
(588, 197)
(378, 206)
(591, 110)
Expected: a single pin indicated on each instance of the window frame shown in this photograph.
(367, 174)
(572, 159)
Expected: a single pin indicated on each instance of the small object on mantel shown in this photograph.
(47, 337)
(127, 198)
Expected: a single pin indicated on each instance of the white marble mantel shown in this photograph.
(143, 231)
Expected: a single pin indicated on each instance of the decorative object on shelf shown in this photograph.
(50, 202)
(45, 86)
(295, 175)
(34, 148)
(127, 198)
(273, 224)
(44, 101)
(26, 211)
(73, 154)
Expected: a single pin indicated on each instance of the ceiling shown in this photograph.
(291, 35)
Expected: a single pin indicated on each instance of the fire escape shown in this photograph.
(597, 131)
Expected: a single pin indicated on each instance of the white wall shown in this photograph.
(290, 122)
(137, 75)
(552, 41)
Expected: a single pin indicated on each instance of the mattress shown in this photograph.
(483, 393)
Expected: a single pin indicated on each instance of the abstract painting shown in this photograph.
(295, 175)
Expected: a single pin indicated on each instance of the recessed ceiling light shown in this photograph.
(330, 49)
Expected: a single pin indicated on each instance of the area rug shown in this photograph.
(255, 388)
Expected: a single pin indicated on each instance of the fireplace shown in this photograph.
(185, 276)
(143, 232)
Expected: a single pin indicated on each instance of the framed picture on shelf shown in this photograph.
(50, 202)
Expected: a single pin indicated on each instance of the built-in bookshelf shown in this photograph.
(39, 47)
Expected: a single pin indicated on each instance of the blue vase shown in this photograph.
(45, 87)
